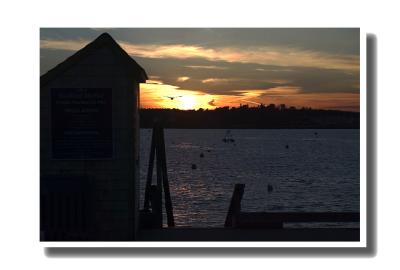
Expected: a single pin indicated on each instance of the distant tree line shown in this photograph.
(261, 117)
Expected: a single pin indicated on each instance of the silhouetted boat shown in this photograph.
(228, 137)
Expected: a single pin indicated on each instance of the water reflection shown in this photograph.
(314, 174)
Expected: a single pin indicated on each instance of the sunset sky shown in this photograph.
(209, 68)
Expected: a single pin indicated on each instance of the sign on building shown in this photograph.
(81, 123)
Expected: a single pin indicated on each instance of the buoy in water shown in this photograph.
(201, 155)
(287, 146)
(270, 188)
(194, 166)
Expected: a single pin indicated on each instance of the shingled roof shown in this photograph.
(104, 40)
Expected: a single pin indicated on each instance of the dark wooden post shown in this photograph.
(167, 194)
(156, 205)
(149, 172)
(159, 157)
(234, 207)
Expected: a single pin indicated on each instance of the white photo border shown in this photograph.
(278, 244)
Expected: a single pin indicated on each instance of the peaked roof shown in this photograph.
(104, 40)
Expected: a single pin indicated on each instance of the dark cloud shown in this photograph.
(50, 58)
(331, 40)
(68, 33)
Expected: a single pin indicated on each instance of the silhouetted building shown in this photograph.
(89, 143)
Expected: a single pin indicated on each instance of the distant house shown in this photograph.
(89, 143)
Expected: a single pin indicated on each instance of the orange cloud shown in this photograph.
(183, 79)
(292, 96)
(217, 80)
(206, 67)
(212, 103)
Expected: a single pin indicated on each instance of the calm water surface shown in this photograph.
(317, 171)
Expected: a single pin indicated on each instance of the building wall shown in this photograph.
(114, 182)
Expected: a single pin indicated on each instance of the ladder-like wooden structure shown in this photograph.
(153, 193)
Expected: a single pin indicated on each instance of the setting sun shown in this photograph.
(187, 103)
(156, 94)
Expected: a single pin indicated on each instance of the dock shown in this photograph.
(233, 234)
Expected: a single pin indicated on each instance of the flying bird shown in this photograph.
(172, 98)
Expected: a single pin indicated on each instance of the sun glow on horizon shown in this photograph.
(156, 94)
(188, 102)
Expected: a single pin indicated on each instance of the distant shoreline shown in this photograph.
(251, 118)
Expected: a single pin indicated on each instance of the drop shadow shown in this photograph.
(369, 251)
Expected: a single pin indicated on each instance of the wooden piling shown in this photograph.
(235, 205)
(167, 194)
(156, 206)
(149, 172)
(159, 158)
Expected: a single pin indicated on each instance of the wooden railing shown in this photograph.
(238, 219)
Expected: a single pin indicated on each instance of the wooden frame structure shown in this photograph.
(153, 193)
